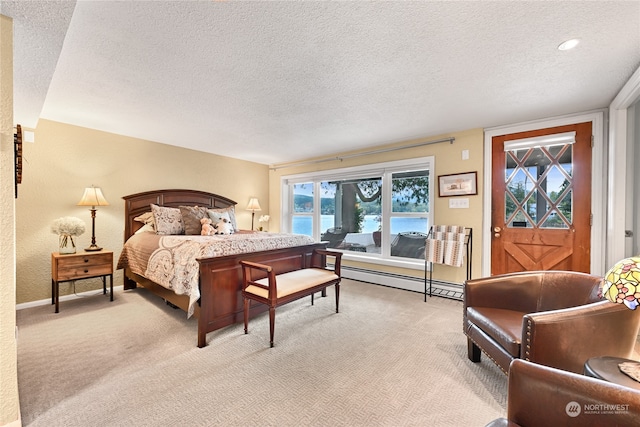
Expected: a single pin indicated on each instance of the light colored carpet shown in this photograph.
(387, 359)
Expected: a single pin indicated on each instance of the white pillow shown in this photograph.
(231, 215)
(146, 228)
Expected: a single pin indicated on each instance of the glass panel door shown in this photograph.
(539, 186)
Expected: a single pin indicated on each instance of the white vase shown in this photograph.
(67, 244)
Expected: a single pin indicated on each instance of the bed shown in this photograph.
(219, 286)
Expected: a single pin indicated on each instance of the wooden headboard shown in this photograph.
(137, 204)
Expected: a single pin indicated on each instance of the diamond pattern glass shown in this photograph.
(539, 187)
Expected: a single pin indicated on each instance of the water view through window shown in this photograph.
(377, 214)
(304, 224)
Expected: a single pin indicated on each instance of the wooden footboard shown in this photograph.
(220, 302)
(221, 284)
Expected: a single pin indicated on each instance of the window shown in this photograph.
(302, 217)
(379, 211)
(539, 181)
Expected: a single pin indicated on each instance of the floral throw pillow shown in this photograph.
(168, 220)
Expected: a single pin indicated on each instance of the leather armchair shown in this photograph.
(554, 318)
(542, 396)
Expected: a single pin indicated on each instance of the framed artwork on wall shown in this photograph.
(458, 184)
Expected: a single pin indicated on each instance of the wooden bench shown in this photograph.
(278, 289)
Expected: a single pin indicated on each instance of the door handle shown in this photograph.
(497, 229)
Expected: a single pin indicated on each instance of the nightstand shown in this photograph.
(84, 265)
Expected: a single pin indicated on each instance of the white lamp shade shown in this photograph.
(253, 205)
(93, 197)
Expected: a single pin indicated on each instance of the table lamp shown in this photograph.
(621, 285)
(253, 206)
(93, 197)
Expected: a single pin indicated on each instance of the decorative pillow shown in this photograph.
(191, 216)
(147, 219)
(216, 217)
(231, 211)
(167, 220)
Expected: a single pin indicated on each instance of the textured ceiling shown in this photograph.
(273, 82)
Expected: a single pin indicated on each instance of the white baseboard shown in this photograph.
(64, 298)
(409, 283)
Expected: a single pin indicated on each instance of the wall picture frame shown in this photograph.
(458, 184)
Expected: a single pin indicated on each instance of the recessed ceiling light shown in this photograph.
(569, 44)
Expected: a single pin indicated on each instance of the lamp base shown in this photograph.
(93, 248)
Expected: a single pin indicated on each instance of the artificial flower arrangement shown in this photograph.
(263, 218)
(67, 228)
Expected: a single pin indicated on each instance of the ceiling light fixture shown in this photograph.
(569, 44)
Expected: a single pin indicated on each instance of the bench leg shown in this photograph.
(337, 296)
(311, 299)
(473, 351)
(246, 315)
(272, 322)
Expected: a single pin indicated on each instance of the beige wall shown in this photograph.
(448, 160)
(65, 159)
(9, 404)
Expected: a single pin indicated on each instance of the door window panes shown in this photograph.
(539, 186)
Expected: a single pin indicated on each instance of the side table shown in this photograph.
(84, 265)
(606, 368)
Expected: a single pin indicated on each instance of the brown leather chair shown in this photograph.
(543, 396)
(554, 318)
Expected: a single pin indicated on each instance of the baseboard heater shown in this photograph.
(410, 283)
